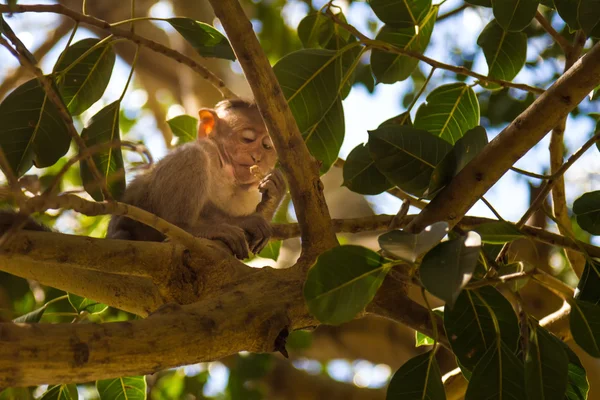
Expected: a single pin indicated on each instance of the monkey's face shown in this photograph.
(248, 144)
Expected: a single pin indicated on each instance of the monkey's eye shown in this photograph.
(248, 136)
(267, 144)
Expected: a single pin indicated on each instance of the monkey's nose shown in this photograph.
(255, 157)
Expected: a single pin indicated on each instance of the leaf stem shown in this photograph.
(135, 58)
(136, 19)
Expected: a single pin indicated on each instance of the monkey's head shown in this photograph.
(241, 136)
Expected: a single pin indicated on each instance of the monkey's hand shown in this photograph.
(233, 236)
(273, 188)
(258, 231)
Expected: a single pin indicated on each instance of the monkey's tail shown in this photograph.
(9, 218)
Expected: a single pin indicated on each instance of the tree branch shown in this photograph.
(512, 143)
(378, 44)
(300, 168)
(124, 33)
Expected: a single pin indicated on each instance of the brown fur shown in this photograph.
(204, 186)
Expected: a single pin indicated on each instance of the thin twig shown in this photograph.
(378, 44)
(558, 38)
(118, 32)
(453, 12)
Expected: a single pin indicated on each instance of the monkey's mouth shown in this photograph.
(247, 174)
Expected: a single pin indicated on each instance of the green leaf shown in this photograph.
(464, 150)
(132, 388)
(422, 339)
(587, 210)
(60, 392)
(103, 128)
(86, 81)
(546, 366)
(310, 80)
(505, 52)
(271, 250)
(324, 139)
(470, 327)
(498, 232)
(580, 14)
(343, 282)
(419, 378)
(361, 175)
(451, 110)
(389, 67)
(498, 375)
(407, 156)
(401, 13)
(81, 304)
(409, 246)
(577, 383)
(514, 15)
(400, 119)
(31, 317)
(448, 267)
(585, 326)
(588, 288)
(184, 127)
(32, 130)
(315, 30)
(205, 39)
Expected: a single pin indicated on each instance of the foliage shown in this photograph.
(502, 353)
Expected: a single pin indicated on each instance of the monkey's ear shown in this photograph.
(208, 120)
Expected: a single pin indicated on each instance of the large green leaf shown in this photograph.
(81, 304)
(417, 379)
(464, 150)
(514, 15)
(448, 267)
(407, 156)
(389, 67)
(315, 30)
(343, 282)
(470, 327)
(498, 375)
(505, 52)
(585, 326)
(588, 288)
(60, 392)
(451, 110)
(361, 175)
(499, 232)
(587, 210)
(581, 14)
(85, 82)
(409, 246)
(546, 366)
(577, 382)
(310, 80)
(33, 316)
(32, 130)
(324, 139)
(132, 388)
(205, 39)
(401, 13)
(184, 127)
(103, 128)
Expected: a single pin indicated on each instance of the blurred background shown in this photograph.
(355, 360)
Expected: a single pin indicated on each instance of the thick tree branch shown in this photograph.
(124, 33)
(300, 168)
(512, 143)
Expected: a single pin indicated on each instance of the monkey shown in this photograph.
(211, 187)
